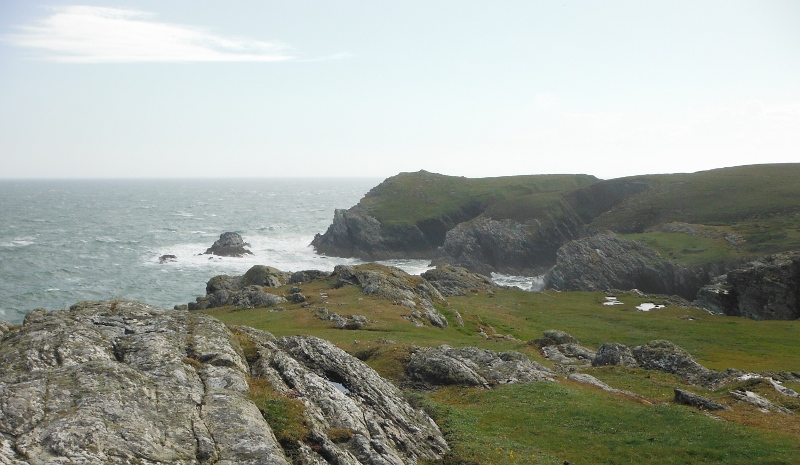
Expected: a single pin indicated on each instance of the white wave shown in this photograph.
(523, 282)
(17, 243)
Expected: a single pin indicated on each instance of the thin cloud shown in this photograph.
(89, 34)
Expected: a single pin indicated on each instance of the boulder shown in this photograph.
(124, 382)
(229, 244)
(612, 353)
(665, 356)
(564, 349)
(471, 366)
(455, 281)
(167, 258)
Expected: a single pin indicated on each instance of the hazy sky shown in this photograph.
(140, 88)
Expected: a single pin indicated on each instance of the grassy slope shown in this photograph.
(548, 422)
(758, 206)
(410, 197)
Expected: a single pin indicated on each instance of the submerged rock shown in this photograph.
(124, 382)
(229, 244)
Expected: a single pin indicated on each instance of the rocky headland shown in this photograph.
(664, 234)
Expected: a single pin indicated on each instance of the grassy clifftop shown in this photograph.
(409, 198)
(719, 215)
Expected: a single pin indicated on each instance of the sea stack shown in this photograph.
(229, 244)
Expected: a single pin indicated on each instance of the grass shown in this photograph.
(550, 423)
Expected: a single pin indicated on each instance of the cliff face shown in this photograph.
(354, 233)
(765, 289)
(508, 246)
(124, 382)
(606, 261)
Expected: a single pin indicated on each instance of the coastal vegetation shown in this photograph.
(550, 423)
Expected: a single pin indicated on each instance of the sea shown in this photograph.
(64, 241)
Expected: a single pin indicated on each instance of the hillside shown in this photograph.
(549, 422)
(692, 228)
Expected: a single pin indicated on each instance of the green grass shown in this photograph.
(411, 197)
(549, 423)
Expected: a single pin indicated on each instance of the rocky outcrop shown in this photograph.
(124, 382)
(605, 261)
(354, 233)
(509, 246)
(612, 353)
(412, 292)
(248, 290)
(229, 244)
(697, 401)
(765, 289)
(470, 366)
(759, 402)
(666, 356)
(341, 393)
(455, 281)
(564, 349)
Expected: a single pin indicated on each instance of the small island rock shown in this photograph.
(229, 244)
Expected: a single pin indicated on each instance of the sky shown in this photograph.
(338, 88)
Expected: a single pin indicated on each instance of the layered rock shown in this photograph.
(471, 366)
(354, 233)
(124, 382)
(606, 261)
(229, 244)
(412, 292)
(765, 289)
(456, 281)
(510, 246)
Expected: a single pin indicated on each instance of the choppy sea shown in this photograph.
(63, 241)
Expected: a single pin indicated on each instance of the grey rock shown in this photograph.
(559, 337)
(589, 379)
(124, 382)
(526, 247)
(412, 292)
(765, 289)
(308, 275)
(455, 281)
(666, 356)
(564, 349)
(605, 262)
(168, 258)
(611, 353)
(229, 244)
(112, 382)
(698, 401)
(470, 366)
(341, 392)
(248, 290)
(761, 403)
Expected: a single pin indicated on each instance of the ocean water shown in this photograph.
(66, 241)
